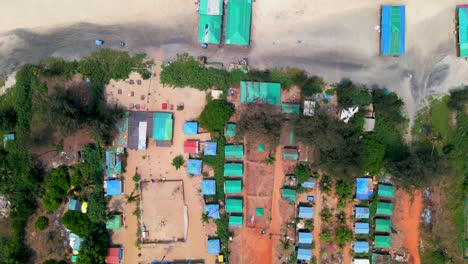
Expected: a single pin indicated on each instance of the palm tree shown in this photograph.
(132, 197)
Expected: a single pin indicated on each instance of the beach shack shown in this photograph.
(361, 228)
(234, 151)
(306, 212)
(233, 205)
(213, 246)
(235, 221)
(113, 187)
(163, 128)
(233, 169)
(361, 247)
(392, 30)
(233, 187)
(212, 210)
(364, 188)
(208, 187)
(190, 128)
(114, 255)
(237, 29)
(361, 213)
(191, 146)
(210, 20)
(210, 148)
(194, 166)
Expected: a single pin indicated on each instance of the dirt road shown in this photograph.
(317, 221)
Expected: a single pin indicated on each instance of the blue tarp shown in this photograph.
(208, 187)
(212, 210)
(361, 247)
(305, 238)
(364, 188)
(194, 166)
(392, 30)
(362, 212)
(310, 183)
(306, 212)
(190, 128)
(213, 246)
(361, 228)
(114, 187)
(210, 148)
(304, 254)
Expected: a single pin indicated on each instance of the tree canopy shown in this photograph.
(215, 115)
(261, 122)
(350, 94)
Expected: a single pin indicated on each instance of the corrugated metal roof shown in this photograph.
(233, 169)
(291, 108)
(162, 126)
(213, 246)
(362, 212)
(234, 151)
(361, 247)
(387, 191)
(211, 7)
(194, 166)
(235, 221)
(289, 194)
(392, 30)
(233, 206)
(190, 128)
(383, 225)
(305, 237)
(306, 212)
(384, 208)
(383, 242)
(233, 186)
(230, 130)
(114, 223)
(364, 188)
(238, 21)
(212, 210)
(209, 29)
(463, 31)
(304, 254)
(210, 148)
(361, 228)
(191, 146)
(260, 91)
(208, 187)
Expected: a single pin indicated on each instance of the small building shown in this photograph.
(235, 221)
(290, 153)
(114, 255)
(190, 128)
(192, 146)
(114, 223)
(304, 254)
(290, 108)
(309, 108)
(305, 237)
(309, 184)
(208, 187)
(210, 20)
(230, 130)
(377, 258)
(384, 208)
(361, 247)
(234, 151)
(392, 30)
(78, 206)
(260, 92)
(233, 169)
(113, 187)
(163, 128)
(289, 194)
(361, 261)
(233, 205)
(237, 28)
(113, 163)
(382, 241)
(386, 191)
(361, 228)
(362, 213)
(364, 188)
(194, 166)
(233, 186)
(213, 246)
(463, 30)
(75, 243)
(210, 148)
(212, 210)
(306, 212)
(131, 130)
(369, 124)
(383, 225)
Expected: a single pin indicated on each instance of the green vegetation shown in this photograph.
(325, 215)
(325, 184)
(344, 235)
(350, 94)
(77, 222)
(260, 121)
(344, 191)
(177, 162)
(215, 115)
(56, 187)
(41, 223)
(53, 261)
(302, 172)
(326, 237)
(313, 85)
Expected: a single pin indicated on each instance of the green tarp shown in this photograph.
(235, 221)
(238, 20)
(386, 191)
(291, 109)
(383, 225)
(233, 169)
(234, 151)
(233, 186)
(382, 242)
(231, 130)
(114, 223)
(233, 206)
(289, 194)
(162, 126)
(259, 212)
(260, 91)
(261, 148)
(384, 208)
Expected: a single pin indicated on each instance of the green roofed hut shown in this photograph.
(289, 194)
(209, 26)
(233, 206)
(260, 91)
(383, 225)
(231, 130)
(382, 242)
(237, 30)
(162, 128)
(233, 186)
(259, 212)
(235, 221)
(384, 208)
(290, 154)
(291, 109)
(386, 191)
(234, 151)
(114, 223)
(233, 169)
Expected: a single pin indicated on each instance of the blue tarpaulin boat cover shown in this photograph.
(305, 237)
(213, 246)
(361, 247)
(392, 38)
(212, 210)
(208, 187)
(210, 148)
(364, 188)
(304, 254)
(306, 212)
(194, 166)
(362, 212)
(114, 187)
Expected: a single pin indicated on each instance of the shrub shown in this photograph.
(326, 184)
(343, 235)
(313, 85)
(302, 172)
(56, 188)
(215, 115)
(326, 214)
(177, 162)
(326, 237)
(41, 223)
(77, 223)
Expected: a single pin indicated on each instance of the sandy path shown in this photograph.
(347, 248)
(406, 218)
(317, 220)
(276, 218)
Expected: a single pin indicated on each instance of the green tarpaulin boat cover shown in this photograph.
(235, 221)
(233, 169)
(384, 208)
(259, 212)
(260, 91)
(386, 191)
(382, 242)
(383, 225)
(237, 28)
(162, 126)
(463, 31)
(234, 151)
(289, 194)
(231, 130)
(114, 223)
(233, 186)
(233, 206)
(291, 109)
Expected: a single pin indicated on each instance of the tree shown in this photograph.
(313, 85)
(326, 237)
(261, 122)
(8, 119)
(41, 223)
(350, 94)
(215, 115)
(56, 188)
(344, 235)
(325, 215)
(344, 191)
(302, 172)
(94, 247)
(372, 157)
(53, 261)
(177, 162)
(77, 223)
(458, 99)
(325, 184)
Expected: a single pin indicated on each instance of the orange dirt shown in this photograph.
(317, 220)
(406, 219)
(250, 246)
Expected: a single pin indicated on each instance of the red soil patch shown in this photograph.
(250, 246)
(406, 218)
